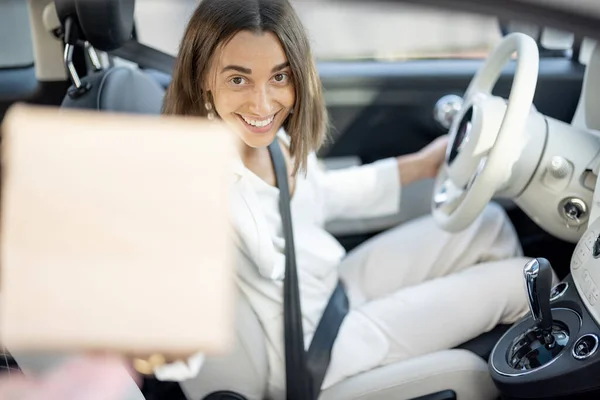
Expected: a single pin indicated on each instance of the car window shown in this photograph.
(349, 31)
(16, 48)
(394, 31)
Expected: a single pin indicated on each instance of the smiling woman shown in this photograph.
(251, 68)
(252, 86)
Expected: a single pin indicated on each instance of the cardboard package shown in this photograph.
(115, 233)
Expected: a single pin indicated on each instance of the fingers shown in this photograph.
(91, 378)
(15, 386)
(97, 378)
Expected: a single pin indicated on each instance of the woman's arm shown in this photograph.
(365, 191)
(373, 190)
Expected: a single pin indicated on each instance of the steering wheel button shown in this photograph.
(591, 299)
(575, 261)
(589, 240)
(588, 283)
(583, 253)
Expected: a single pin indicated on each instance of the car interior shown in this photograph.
(536, 113)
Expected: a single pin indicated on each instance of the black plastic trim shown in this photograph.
(443, 395)
(145, 56)
(224, 395)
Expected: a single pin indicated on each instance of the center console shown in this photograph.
(553, 353)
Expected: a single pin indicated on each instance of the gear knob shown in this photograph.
(538, 283)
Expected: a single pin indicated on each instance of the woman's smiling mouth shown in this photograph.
(258, 125)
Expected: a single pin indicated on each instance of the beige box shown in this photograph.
(115, 233)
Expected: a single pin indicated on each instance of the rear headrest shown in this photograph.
(105, 24)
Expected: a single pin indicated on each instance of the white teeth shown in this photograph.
(258, 124)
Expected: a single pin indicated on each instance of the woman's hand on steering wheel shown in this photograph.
(433, 156)
(423, 164)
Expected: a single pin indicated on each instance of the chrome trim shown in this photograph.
(440, 197)
(93, 56)
(453, 130)
(561, 293)
(445, 199)
(446, 109)
(68, 58)
(480, 166)
(531, 370)
(591, 353)
(573, 220)
(466, 137)
(531, 272)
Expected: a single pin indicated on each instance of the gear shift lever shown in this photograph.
(540, 344)
(538, 282)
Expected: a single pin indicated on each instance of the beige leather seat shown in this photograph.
(244, 371)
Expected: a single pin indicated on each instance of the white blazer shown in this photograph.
(358, 192)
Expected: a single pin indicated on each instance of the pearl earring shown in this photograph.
(209, 111)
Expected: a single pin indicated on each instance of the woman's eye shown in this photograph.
(238, 80)
(281, 77)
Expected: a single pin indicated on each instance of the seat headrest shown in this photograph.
(119, 89)
(105, 24)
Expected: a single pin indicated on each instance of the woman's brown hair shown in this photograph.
(213, 24)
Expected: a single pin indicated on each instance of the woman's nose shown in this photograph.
(262, 102)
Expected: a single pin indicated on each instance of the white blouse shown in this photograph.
(319, 196)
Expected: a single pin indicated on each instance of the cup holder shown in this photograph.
(558, 290)
(585, 347)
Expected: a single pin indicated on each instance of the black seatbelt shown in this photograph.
(145, 57)
(304, 373)
(319, 352)
(297, 379)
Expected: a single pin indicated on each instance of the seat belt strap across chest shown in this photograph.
(304, 371)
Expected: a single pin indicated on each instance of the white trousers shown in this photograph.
(417, 289)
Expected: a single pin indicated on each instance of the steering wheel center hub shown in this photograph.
(471, 139)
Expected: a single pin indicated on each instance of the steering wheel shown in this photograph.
(484, 138)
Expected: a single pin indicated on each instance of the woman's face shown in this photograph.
(252, 86)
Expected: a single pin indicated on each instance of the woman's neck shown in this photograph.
(258, 160)
(250, 155)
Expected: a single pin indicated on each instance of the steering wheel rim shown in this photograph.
(484, 138)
